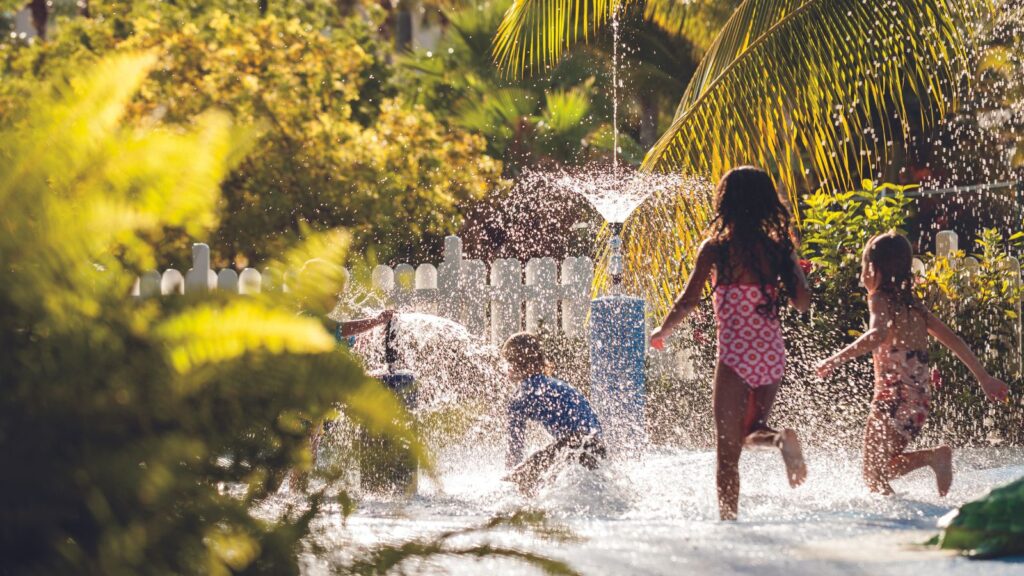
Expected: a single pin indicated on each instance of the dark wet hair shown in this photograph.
(892, 257)
(524, 353)
(752, 225)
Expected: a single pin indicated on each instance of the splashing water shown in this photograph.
(650, 512)
(452, 366)
(615, 194)
(655, 514)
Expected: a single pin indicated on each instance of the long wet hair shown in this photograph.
(752, 229)
(892, 256)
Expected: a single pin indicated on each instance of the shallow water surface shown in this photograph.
(656, 514)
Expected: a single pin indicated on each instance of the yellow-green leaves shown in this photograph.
(534, 34)
(163, 419)
(76, 183)
(215, 334)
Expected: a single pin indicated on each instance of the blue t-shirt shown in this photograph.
(556, 405)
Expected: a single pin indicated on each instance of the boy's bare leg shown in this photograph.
(762, 399)
(527, 475)
(729, 401)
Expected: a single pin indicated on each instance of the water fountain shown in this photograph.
(618, 329)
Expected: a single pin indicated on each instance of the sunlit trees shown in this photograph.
(336, 146)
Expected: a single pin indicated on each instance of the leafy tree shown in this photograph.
(336, 147)
(136, 436)
(545, 122)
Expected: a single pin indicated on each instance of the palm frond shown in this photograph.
(799, 87)
(534, 34)
(496, 113)
(698, 21)
(566, 109)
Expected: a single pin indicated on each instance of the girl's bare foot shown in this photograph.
(942, 464)
(793, 456)
(880, 486)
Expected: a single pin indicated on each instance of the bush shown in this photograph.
(982, 304)
(137, 435)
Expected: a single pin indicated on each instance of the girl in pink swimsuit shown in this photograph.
(898, 341)
(751, 255)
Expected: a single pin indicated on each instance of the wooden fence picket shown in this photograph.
(490, 301)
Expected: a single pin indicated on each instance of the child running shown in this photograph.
(898, 340)
(556, 405)
(751, 256)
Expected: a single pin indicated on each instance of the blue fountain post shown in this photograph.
(387, 465)
(618, 347)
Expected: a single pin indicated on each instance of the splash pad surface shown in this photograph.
(654, 512)
(657, 515)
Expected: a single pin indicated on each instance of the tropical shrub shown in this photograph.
(981, 302)
(835, 227)
(137, 436)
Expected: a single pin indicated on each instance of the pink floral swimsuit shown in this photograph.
(749, 342)
(903, 394)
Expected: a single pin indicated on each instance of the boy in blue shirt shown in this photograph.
(554, 404)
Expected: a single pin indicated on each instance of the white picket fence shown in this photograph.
(494, 302)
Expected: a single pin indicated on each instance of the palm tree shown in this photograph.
(813, 90)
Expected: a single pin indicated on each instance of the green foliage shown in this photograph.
(336, 147)
(137, 435)
(982, 305)
(554, 120)
(798, 87)
(835, 229)
(990, 526)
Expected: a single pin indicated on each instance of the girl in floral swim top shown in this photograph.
(898, 340)
(751, 254)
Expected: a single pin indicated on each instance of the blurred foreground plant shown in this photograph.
(384, 559)
(136, 436)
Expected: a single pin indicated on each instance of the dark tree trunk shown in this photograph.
(263, 7)
(40, 14)
(403, 25)
(83, 8)
(648, 121)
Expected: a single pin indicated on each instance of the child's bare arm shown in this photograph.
(802, 299)
(878, 331)
(691, 295)
(353, 327)
(994, 388)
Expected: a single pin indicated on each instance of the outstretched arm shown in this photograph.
(994, 388)
(878, 331)
(802, 298)
(353, 327)
(691, 295)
